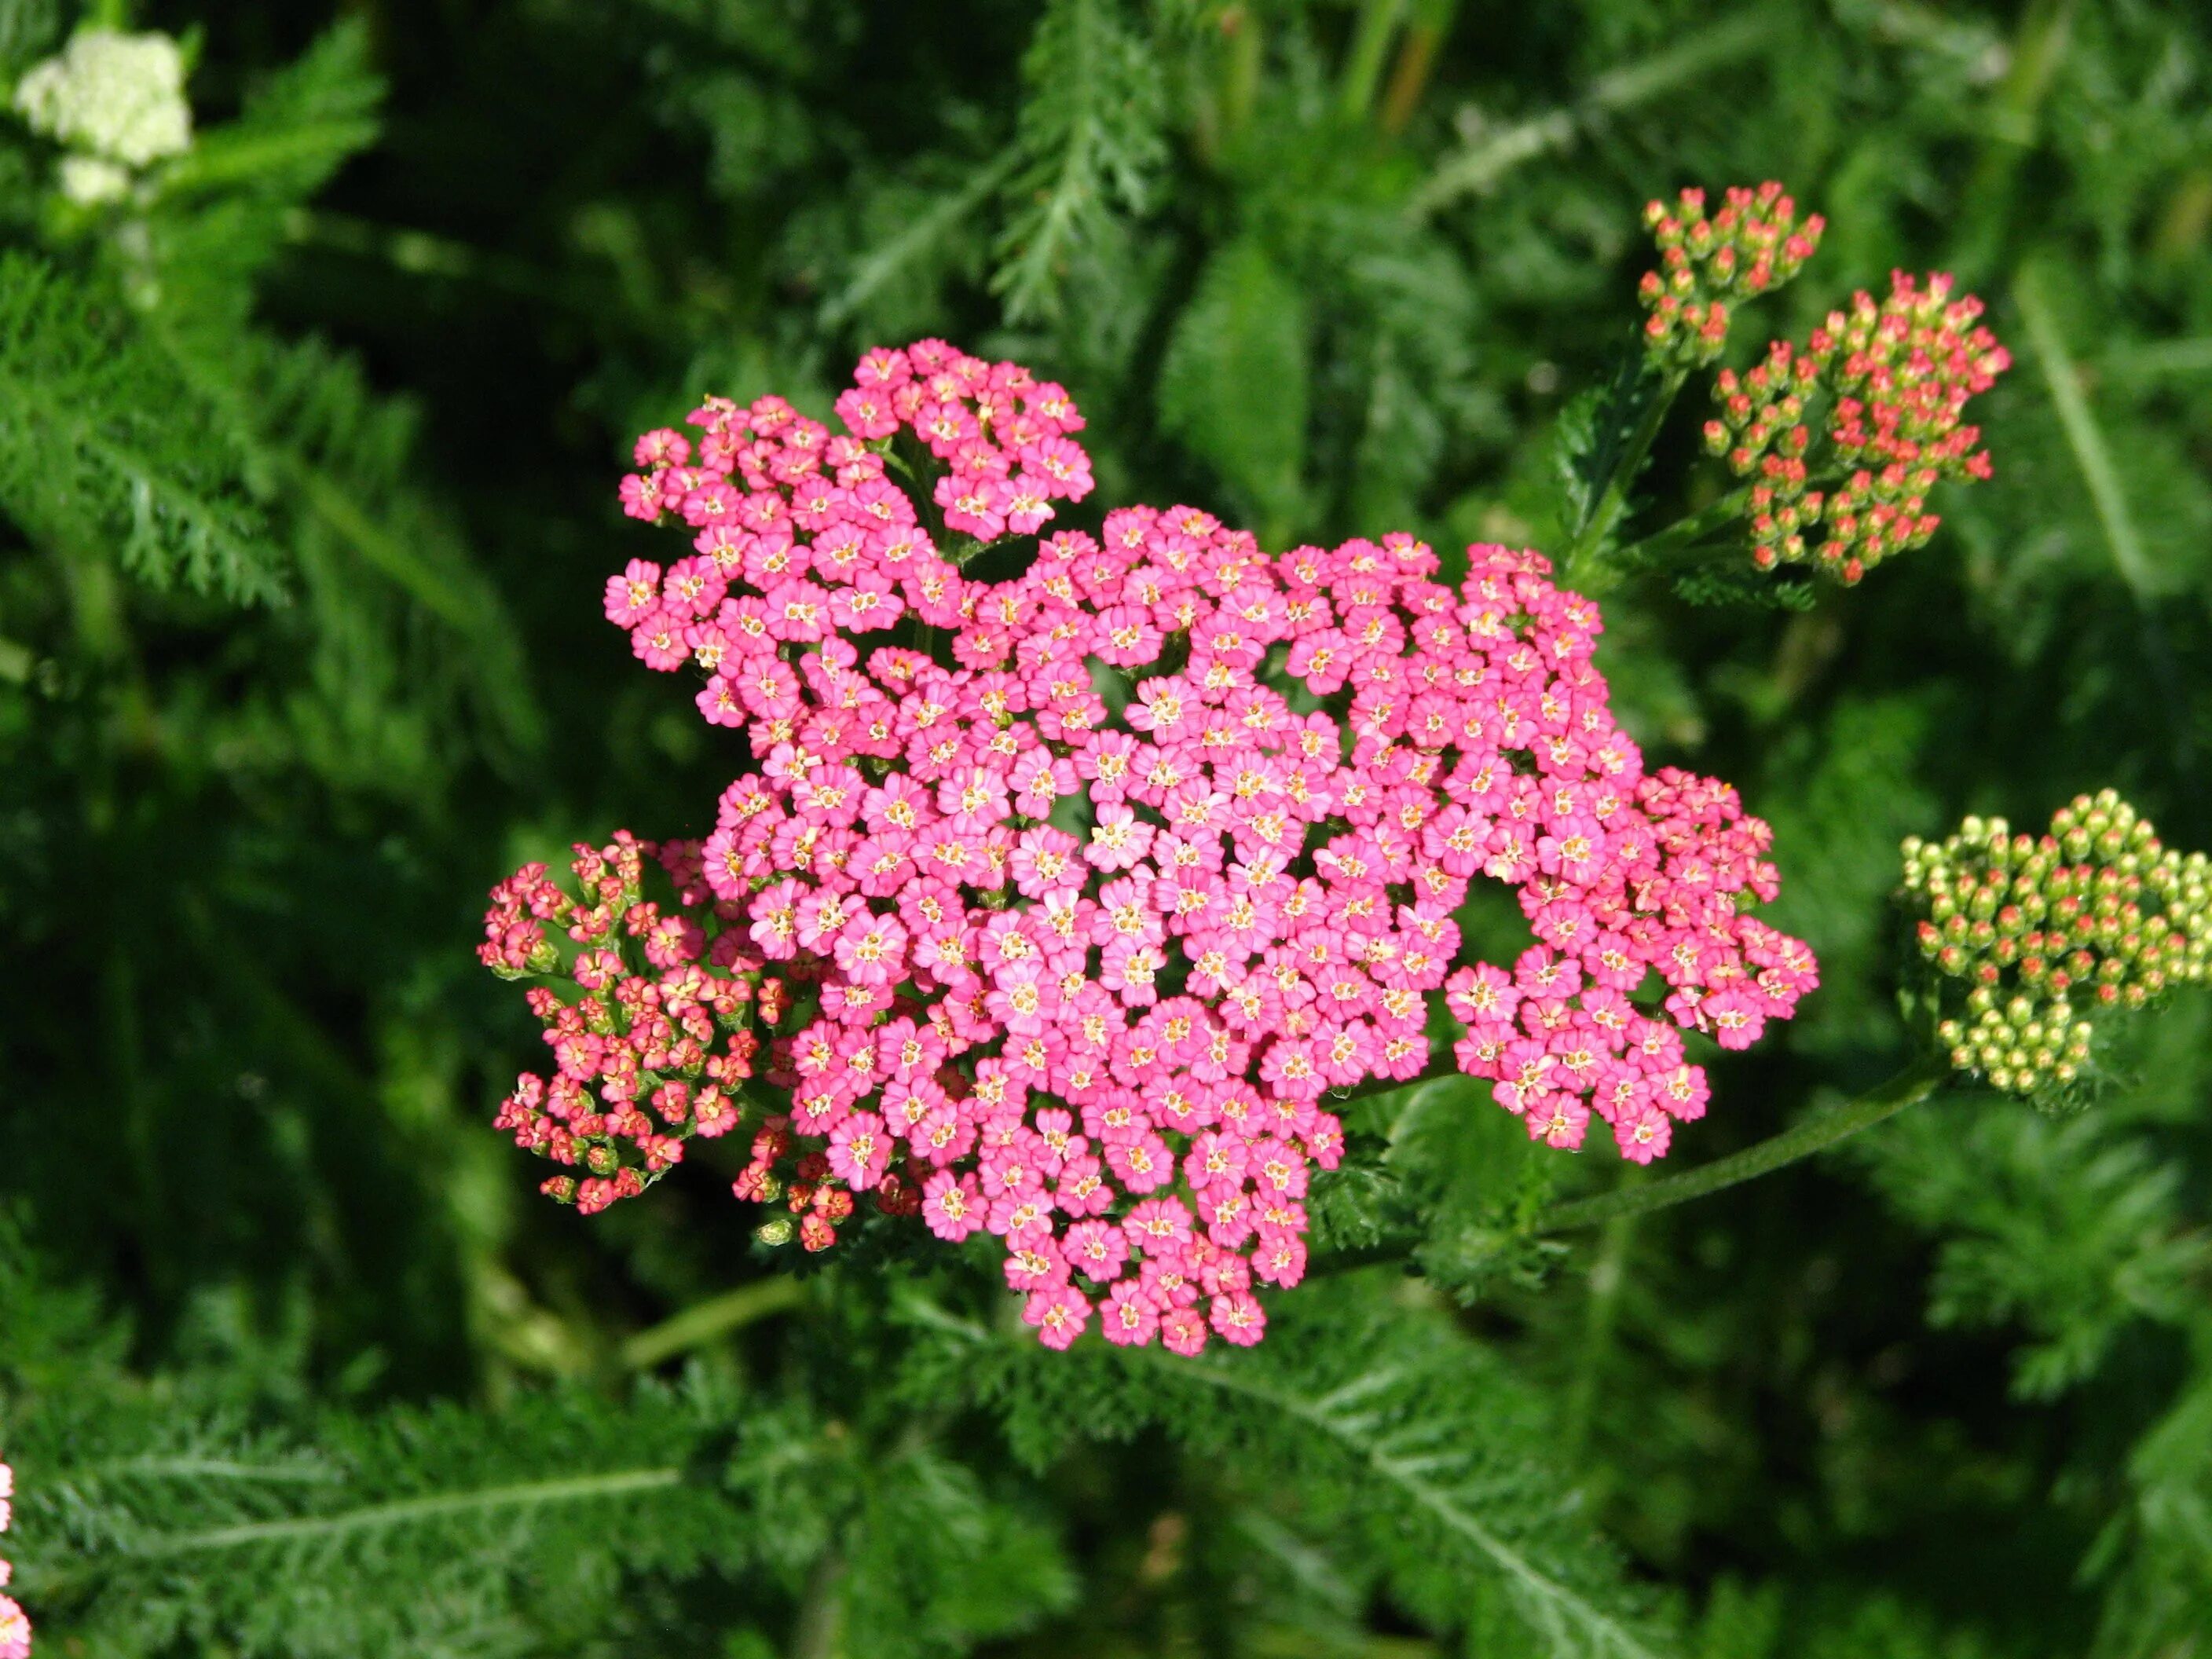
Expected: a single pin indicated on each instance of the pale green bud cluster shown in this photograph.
(2046, 933)
(116, 101)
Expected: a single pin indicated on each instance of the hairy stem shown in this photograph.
(1815, 1133)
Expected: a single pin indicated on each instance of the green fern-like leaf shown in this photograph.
(1234, 384)
(443, 1531)
(1402, 1451)
(1596, 434)
(102, 452)
(1089, 144)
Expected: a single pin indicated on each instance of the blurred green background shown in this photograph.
(306, 464)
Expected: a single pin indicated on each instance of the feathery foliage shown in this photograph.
(307, 443)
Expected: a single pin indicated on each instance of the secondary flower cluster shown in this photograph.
(15, 1626)
(116, 101)
(1087, 912)
(1897, 377)
(2046, 931)
(659, 1036)
(1750, 246)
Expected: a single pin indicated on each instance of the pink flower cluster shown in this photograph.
(663, 1017)
(1751, 246)
(1902, 371)
(803, 536)
(14, 1625)
(1090, 909)
(1898, 376)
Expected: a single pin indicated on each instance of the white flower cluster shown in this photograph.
(116, 99)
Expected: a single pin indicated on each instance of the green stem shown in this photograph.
(1608, 1273)
(1815, 1133)
(1417, 62)
(1686, 531)
(2012, 128)
(1244, 58)
(819, 1633)
(1445, 1066)
(2100, 475)
(703, 1322)
(2083, 436)
(1363, 63)
(528, 1494)
(1477, 169)
(925, 230)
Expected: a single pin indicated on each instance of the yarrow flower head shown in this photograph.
(115, 99)
(14, 1625)
(655, 1035)
(1890, 383)
(2032, 939)
(1068, 901)
(1751, 246)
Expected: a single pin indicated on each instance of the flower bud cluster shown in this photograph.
(1874, 406)
(1750, 246)
(2047, 933)
(15, 1623)
(653, 1030)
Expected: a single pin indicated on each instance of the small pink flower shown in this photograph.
(1642, 1132)
(633, 595)
(1058, 1313)
(1556, 1119)
(1183, 1332)
(1128, 1318)
(870, 949)
(950, 1207)
(1238, 1318)
(1095, 1249)
(859, 1151)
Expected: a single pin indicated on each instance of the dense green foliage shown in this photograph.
(306, 465)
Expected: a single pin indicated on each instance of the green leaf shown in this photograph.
(298, 128)
(1597, 434)
(1089, 142)
(103, 449)
(1235, 384)
(1400, 1450)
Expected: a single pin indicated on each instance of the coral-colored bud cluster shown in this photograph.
(1751, 246)
(15, 1623)
(2047, 932)
(1091, 886)
(656, 1033)
(1893, 381)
